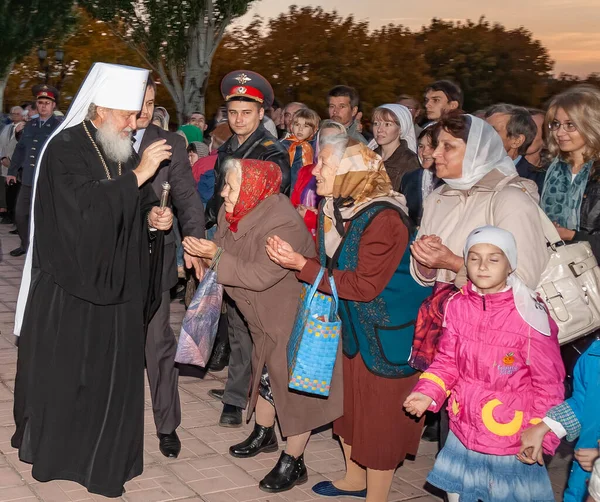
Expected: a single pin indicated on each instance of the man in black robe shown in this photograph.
(79, 390)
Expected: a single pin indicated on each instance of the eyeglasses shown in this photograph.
(555, 125)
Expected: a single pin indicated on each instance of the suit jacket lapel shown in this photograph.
(149, 137)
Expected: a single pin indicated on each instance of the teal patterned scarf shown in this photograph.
(562, 195)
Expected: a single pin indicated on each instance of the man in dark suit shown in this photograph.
(246, 94)
(25, 156)
(160, 342)
(517, 129)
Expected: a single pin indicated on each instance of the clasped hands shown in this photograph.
(283, 254)
(429, 251)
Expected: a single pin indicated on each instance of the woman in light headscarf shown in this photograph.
(161, 118)
(394, 140)
(482, 188)
(362, 238)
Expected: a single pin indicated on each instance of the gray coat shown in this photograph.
(184, 197)
(267, 296)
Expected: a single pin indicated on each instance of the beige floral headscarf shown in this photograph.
(361, 180)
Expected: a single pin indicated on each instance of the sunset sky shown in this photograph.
(570, 29)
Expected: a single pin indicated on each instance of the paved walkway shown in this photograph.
(204, 471)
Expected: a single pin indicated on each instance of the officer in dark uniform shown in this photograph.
(25, 157)
(250, 139)
(246, 95)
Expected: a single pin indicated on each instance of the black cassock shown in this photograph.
(79, 390)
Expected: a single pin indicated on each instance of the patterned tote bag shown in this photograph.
(312, 348)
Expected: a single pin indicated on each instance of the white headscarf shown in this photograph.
(109, 85)
(526, 302)
(407, 128)
(485, 152)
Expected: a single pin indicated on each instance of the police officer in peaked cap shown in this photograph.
(246, 95)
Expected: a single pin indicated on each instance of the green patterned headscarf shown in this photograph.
(562, 195)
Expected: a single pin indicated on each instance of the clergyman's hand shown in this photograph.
(152, 157)
(160, 218)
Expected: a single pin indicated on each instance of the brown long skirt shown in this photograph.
(374, 422)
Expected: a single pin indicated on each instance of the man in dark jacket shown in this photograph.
(25, 156)
(246, 94)
(517, 129)
(161, 344)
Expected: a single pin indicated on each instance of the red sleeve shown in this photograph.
(381, 248)
(303, 177)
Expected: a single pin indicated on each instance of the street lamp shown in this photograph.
(59, 56)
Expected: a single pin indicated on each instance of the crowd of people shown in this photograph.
(429, 222)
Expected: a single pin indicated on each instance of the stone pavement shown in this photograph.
(204, 471)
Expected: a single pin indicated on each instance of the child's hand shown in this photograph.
(417, 403)
(531, 450)
(586, 458)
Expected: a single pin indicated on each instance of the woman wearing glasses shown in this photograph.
(571, 193)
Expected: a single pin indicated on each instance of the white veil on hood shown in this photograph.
(407, 128)
(485, 152)
(109, 85)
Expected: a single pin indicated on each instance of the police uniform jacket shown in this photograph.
(28, 148)
(261, 145)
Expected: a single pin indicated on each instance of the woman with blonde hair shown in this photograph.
(571, 193)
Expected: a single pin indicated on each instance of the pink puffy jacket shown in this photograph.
(500, 374)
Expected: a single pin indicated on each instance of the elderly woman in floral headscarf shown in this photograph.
(363, 235)
(267, 296)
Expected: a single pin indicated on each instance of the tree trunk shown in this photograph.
(3, 82)
(204, 39)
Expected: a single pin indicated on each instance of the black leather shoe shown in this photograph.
(287, 473)
(18, 252)
(216, 393)
(220, 357)
(261, 439)
(169, 444)
(231, 416)
(14, 232)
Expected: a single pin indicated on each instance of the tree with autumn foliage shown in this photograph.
(175, 38)
(307, 50)
(25, 23)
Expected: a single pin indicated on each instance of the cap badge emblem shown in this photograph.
(242, 78)
(242, 90)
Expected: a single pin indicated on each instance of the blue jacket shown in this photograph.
(580, 416)
(29, 147)
(381, 330)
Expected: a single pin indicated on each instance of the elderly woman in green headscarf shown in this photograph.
(192, 133)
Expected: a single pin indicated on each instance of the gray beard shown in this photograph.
(116, 148)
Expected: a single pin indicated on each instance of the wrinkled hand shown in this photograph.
(11, 180)
(160, 218)
(283, 254)
(201, 248)
(564, 233)
(431, 253)
(586, 458)
(417, 403)
(194, 262)
(531, 450)
(152, 157)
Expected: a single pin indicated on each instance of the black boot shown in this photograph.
(261, 439)
(220, 357)
(287, 473)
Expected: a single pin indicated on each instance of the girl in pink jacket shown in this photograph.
(499, 363)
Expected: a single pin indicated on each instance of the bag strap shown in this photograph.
(553, 239)
(313, 291)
